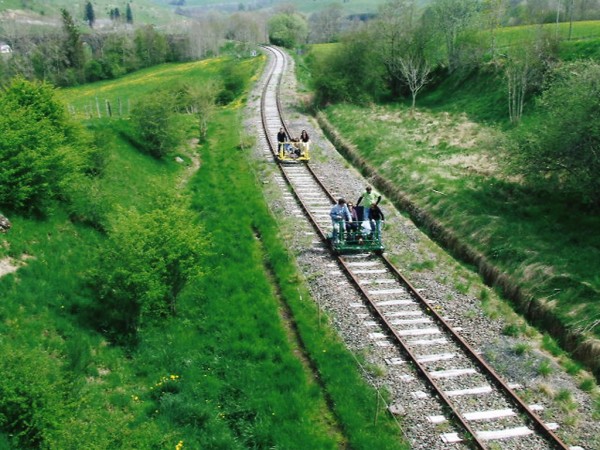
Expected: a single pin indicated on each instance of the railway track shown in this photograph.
(477, 409)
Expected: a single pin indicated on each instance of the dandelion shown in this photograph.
(179, 445)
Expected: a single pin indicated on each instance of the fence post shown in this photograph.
(98, 108)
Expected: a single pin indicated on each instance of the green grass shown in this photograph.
(507, 36)
(86, 100)
(544, 368)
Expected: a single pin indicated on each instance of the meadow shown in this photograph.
(220, 373)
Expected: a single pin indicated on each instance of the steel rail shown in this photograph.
(480, 362)
(508, 393)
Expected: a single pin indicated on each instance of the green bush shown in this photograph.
(558, 147)
(41, 151)
(156, 123)
(31, 391)
(287, 30)
(233, 79)
(144, 266)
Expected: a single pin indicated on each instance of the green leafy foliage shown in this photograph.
(30, 395)
(150, 46)
(41, 151)
(145, 265)
(156, 123)
(349, 72)
(234, 82)
(559, 148)
(288, 30)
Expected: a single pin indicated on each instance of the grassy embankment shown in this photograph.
(222, 373)
(444, 160)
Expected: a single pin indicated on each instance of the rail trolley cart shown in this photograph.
(357, 237)
(293, 151)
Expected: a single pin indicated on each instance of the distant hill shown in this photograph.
(158, 12)
(47, 12)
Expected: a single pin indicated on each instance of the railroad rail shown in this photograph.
(408, 326)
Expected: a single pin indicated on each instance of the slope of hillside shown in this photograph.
(47, 12)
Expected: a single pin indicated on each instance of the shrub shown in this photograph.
(234, 82)
(144, 266)
(559, 148)
(156, 123)
(41, 150)
(30, 395)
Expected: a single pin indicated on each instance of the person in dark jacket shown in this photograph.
(281, 138)
(376, 218)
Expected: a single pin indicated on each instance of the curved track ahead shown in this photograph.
(408, 326)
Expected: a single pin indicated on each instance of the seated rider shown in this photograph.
(339, 213)
(295, 147)
(353, 225)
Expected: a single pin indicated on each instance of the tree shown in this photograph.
(493, 12)
(128, 14)
(156, 123)
(452, 18)
(41, 150)
(352, 72)
(288, 30)
(207, 36)
(402, 43)
(561, 145)
(204, 99)
(146, 263)
(244, 28)
(415, 71)
(391, 30)
(150, 45)
(115, 14)
(326, 25)
(73, 46)
(524, 68)
(89, 15)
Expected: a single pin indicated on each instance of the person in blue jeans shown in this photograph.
(369, 197)
(376, 219)
(339, 215)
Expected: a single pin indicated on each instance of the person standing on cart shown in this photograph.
(369, 197)
(376, 219)
(281, 138)
(304, 139)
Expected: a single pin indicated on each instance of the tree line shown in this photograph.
(72, 55)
